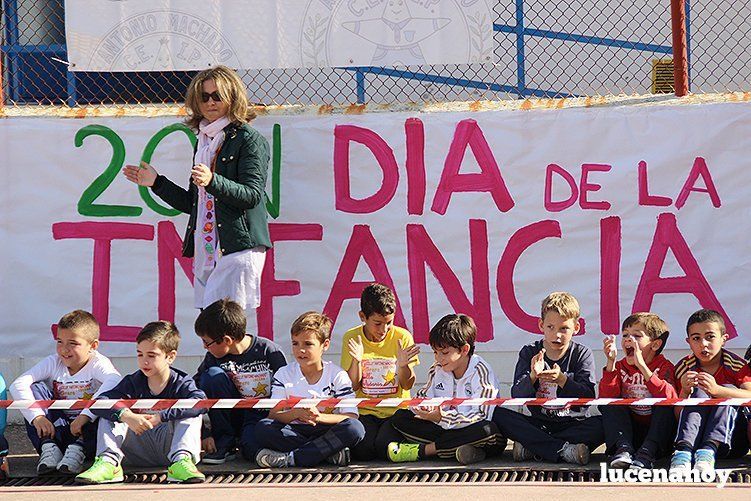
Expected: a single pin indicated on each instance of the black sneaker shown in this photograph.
(341, 458)
(469, 454)
(622, 458)
(642, 460)
(220, 456)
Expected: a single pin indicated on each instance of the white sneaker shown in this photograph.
(575, 453)
(48, 458)
(72, 461)
(266, 458)
(704, 460)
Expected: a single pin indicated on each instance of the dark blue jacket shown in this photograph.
(136, 386)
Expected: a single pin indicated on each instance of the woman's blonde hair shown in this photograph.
(231, 89)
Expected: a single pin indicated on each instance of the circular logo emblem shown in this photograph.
(395, 32)
(163, 41)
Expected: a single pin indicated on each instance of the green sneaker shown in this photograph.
(403, 453)
(185, 472)
(101, 472)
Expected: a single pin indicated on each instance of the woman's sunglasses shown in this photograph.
(205, 96)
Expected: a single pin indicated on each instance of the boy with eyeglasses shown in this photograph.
(237, 365)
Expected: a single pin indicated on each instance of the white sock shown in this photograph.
(180, 455)
(110, 459)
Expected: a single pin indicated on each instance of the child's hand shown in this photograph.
(143, 175)
(355, 349)
(138, 423)
(707, 382)
(308, 415)
(76, 427)
(638, 356)
(154, 419)
(610, 348)
(553, 375)
(689, 381)
(208, 445)
(428, 413)
(405, 356)
(537, 365)
(44, 427)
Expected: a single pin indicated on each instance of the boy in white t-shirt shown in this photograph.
(307, 436)
(65, 438)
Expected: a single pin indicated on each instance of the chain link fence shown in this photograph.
(543, 49)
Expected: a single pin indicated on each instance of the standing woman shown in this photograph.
(228, 231)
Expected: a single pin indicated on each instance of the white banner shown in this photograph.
(183, 35)
(484, 213)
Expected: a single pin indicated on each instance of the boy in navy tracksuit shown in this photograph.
(237, 365)
(150, 438)
(555, 367)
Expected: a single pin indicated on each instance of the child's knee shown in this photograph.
(354, 428)
(263, 429)
(212, 379)
(401, 416)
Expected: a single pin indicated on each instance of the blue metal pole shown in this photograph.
(520, 70)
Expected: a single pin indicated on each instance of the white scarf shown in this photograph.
(206, 241)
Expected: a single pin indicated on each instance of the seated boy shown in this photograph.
(555, 367)
(237, 365)
(150, 438)
(707, 432)
(64, 439)
(462, 432)
(307, 436)
(635, 437)
(379, 358)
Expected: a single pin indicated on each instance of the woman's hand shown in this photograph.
(142, 175)
(201, 175)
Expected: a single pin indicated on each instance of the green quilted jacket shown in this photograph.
(238, 187)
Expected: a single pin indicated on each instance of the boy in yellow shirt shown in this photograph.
(379, 358)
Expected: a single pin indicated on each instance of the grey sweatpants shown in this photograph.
(156, 447)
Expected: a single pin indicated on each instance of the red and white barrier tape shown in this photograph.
(268, 403)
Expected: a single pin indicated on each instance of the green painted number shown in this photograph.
(273, 206)
(86, 205)
(148, 152)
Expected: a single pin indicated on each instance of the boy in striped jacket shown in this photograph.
(710, 371)
(461, 432)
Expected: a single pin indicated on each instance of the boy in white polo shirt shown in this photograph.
(308, 436)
